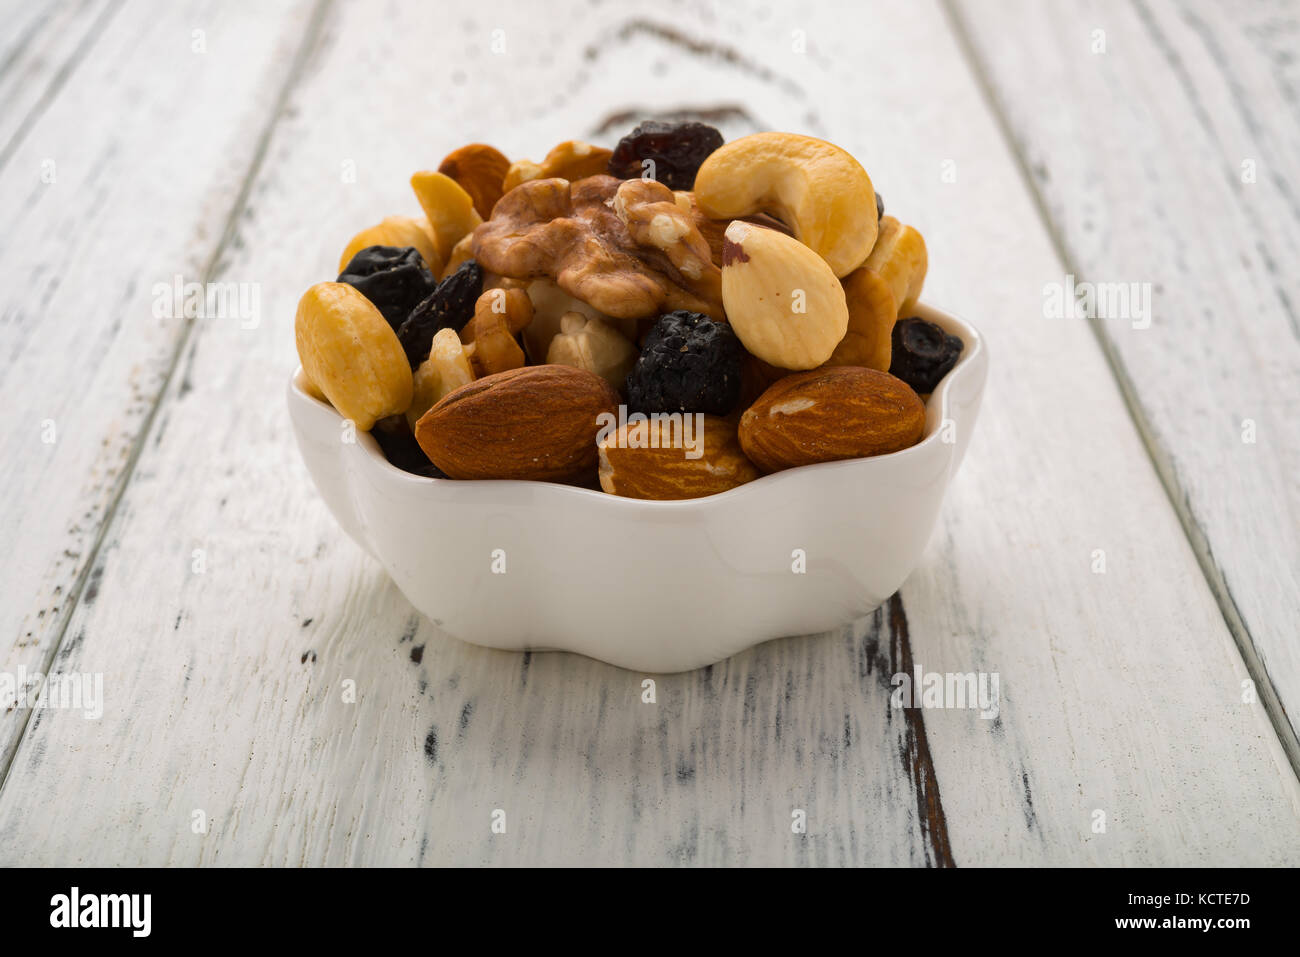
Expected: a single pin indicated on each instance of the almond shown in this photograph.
(673, 456)
(841, 412)
(781, 298)
(480, 170)
(537, 422)
(818, 189)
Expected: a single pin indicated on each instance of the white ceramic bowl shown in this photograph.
(650, 586)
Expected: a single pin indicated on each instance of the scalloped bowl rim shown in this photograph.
(973, 348)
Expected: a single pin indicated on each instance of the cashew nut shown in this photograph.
(595, 346)
(882, 290)
(817, 189)
(449, 208)
(445, 371)
(489, 337)
(397, 231)
(351, 354)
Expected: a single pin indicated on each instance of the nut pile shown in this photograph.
(668, 319)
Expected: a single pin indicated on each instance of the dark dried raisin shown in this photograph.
(676, 149)
(922, 353)
(394, 278)
(400, 448)
(689, 363)
(450, 307)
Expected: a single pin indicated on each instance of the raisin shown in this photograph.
(449, 307)
(689, 363)
(880, 207)
(394, 278)
(923, 353)
(400, 448)
(677, 150)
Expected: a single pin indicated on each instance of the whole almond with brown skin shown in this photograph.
(536, 422)
(479, 169)
(660, 459)
(841, 412)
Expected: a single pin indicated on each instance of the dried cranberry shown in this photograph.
(689, 363)
(449, 307)
(677, 150)
(922, 353)
(394, 278)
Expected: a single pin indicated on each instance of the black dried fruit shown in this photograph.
(400, 448)
(394, 278)
(688, 363)
(449, 307)
(880, 207)
(677, 150)
(923, 353)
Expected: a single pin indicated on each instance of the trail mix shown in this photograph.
(665, 320)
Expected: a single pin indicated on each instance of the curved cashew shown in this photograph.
(446, 370)
(449, 209)
(900, 258)
(397, 231)
(817, 189)
(883, 289)
(489, 337)
(593, 345)
(351, 354)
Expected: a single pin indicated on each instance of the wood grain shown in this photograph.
(418, 728)
(1171, 109)
(226, 686)
(42, 45)
(145, 163)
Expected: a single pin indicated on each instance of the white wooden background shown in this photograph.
(1020, 149)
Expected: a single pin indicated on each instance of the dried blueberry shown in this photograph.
(880, 207)
(449, 307)
(923, 353)
(394, 278)
(677, 150)
(400, 448)
(689, 363)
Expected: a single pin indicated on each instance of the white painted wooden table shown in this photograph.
(1122, 546)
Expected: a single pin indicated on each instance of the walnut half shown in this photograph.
(624, 247)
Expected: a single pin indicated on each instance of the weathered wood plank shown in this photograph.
(226, 686)
(1164, 142)
(41, 45)
(412, 731)
(122, 182)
